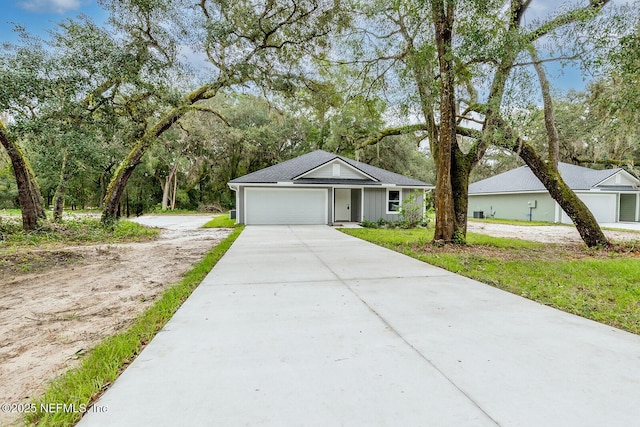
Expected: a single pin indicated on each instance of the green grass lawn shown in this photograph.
(77, 230)
(22, 251)
(600, 285)
(221, 221)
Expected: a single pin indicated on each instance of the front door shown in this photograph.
(342, 206)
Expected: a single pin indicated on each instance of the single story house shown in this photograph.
(322, 188)
(612, 195)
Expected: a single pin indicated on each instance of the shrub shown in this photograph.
(369, 224)
(381, 222)
(411, 213)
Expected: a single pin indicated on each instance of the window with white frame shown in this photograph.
(393, 201)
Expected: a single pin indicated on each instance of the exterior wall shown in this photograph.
(606, 207)
(418, 196)
(240, 205)
(330, 203)
(367, 204)
(375, 202)
(514, 206)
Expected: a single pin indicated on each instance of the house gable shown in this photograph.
(621, 178)
(335, 169)
(578, 178)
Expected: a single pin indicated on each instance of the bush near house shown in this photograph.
(411, 216)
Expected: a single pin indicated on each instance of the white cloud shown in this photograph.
(55, 6)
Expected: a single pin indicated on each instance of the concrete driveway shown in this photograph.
(306, 326)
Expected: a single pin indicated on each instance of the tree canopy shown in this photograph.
(95, 109)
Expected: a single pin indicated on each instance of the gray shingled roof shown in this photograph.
(288, 170)
(522, 180)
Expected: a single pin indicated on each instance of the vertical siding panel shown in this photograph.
(375, 205)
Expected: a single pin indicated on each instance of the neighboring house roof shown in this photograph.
(522, 179)
(291, 171)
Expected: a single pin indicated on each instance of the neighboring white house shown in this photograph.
(612, 195)
(322, 188)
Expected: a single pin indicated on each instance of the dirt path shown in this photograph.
(48, 319)
(543, 233)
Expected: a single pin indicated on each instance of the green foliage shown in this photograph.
(602, 286)
(411, 212)
(91, 92)
(401, 223)
(105, 362)
(8, 188)
(459, 238)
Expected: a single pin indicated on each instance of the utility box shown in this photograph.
(232, 214)
(532, 203)
(478, 214)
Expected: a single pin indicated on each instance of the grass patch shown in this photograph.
(75, 230)
(46, 247)
(221, 221)
(11, 212)
(81, 386)
(599, 285)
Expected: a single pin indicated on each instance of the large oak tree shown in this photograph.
(260, 44)
(468, 66)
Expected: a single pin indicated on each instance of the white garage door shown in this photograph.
(285, 206)
(602, 206)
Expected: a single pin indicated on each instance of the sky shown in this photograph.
(39, 16)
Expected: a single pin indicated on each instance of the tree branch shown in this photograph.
(402, 130)
(542, 61)
(565, 18)
(553, 140)
(212, 111)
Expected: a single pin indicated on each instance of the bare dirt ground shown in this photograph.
(49, 318)
(544, 233)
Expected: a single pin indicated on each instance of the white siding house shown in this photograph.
(612, 195)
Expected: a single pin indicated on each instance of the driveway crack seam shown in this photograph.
(422, 356)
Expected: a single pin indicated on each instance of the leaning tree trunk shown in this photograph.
(547, 172)
(581, 216)
(123, 173)
(118, 183)
(28, 190)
